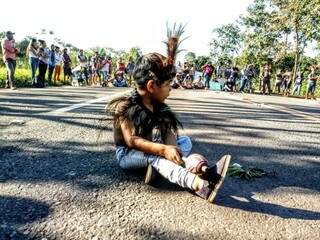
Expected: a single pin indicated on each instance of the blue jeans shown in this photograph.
(104, 75)
(120, 83)
(133, 159)
(243, 83)
(207, 81)
(11, 67)
(311, 87)
(34, 63)
(296, 88)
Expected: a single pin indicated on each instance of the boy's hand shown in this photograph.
(173, 153)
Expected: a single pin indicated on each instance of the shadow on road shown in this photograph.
(16, 212)
(295, 164)
(253, 205)
(38, 104)
(90, 167)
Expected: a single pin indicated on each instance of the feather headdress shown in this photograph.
(156, 66)
(173, 42)
(159, 68)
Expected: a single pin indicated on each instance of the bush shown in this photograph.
(22, 77)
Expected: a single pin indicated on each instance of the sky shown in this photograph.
(121, 24)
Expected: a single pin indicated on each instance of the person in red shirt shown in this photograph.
(9, 57)
(207, 73)
(120, 65)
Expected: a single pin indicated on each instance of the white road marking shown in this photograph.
(292, 112)
(246, 98)
(95, 100)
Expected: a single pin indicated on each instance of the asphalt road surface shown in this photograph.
(59, 178)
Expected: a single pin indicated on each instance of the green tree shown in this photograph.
(133, 53)
(200, 61)
(190, 57)
(2, 35)
(260, 40)
(226, 42)
(301, 18)
(22, 46)
(100, 50)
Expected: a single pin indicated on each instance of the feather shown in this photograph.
(173, 42)
(156, 66)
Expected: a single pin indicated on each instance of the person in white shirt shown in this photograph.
(105, 68)
(32, 53)
(58, 64)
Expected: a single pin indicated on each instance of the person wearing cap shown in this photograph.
(9, 57)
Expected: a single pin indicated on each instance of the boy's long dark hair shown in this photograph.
(131, 108)
(160, 69)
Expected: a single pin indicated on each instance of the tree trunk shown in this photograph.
(286, 47)
(296, 57)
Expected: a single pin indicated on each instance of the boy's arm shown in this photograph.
(169, 152)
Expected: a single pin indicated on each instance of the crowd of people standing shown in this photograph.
(232, 79)
(43, 59)
(48, 64)
(97, 70)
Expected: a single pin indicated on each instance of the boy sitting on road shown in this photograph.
(146, 130)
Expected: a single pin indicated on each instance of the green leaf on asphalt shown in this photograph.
(247, 173)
